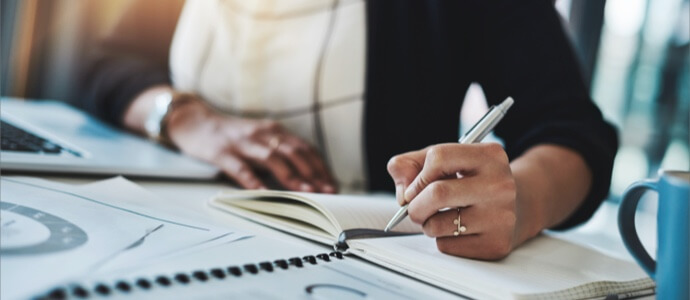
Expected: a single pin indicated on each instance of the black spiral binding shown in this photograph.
(77, 291)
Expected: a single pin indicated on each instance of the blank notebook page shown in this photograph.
(353, 211)
(542, 265)
(349, 211)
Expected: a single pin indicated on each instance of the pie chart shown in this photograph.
(28, 231)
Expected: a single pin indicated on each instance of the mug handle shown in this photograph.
(626, 224)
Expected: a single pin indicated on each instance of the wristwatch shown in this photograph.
(154, 121)
(155, 124)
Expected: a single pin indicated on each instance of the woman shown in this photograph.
(286, 90)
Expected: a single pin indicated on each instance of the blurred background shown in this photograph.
(634, 56)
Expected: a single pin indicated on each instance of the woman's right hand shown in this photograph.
(245, 149)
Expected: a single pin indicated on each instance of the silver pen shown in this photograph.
(474, 135)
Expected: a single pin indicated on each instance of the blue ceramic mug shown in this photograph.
(670, 270)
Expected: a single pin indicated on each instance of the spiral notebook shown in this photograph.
(155, 285)
(544, 268)
(320, 276)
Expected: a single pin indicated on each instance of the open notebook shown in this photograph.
(544, 268)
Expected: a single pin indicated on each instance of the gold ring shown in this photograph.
(461, 228)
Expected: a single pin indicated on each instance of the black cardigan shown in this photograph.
(421, 58)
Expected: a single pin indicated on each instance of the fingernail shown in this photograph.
(254, 185)
(398, 191)
(329, 189)
(409, 193)
(305, 187)
(257, 185)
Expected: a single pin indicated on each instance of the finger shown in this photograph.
(403, 169)
(327, 187)
(322, 171)
(477, 246)
(444, 223)
(274, 162)
(297, 158)
(446, 160)
(441, 194)
(308, 163)
(239, 171)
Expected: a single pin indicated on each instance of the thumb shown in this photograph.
(403, 169)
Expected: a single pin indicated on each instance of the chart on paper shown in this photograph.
(26, 231)
(73, 232)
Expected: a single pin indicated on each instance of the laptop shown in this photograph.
(49, 136)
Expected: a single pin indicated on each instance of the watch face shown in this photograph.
(157, 114)
(26, 231)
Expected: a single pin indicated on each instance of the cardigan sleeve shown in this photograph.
(131, 59)
(529, 58)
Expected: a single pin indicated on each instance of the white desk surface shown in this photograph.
(600, 232)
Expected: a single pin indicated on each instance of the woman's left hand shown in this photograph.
(472, 184)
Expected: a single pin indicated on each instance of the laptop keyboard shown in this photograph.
(17, 139)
